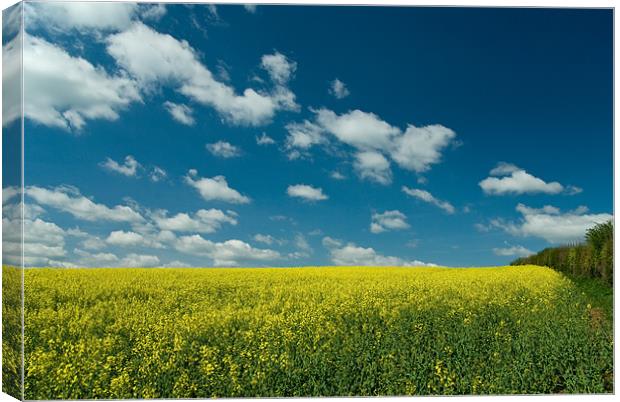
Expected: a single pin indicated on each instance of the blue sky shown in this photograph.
(285, 136)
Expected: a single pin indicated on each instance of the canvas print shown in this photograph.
(207, 200)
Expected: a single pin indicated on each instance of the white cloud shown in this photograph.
(302, 136)
(428, 197)
(361, 130)
(157, 174)
(156, 59)
(353, 255)
(420, 147)
(83, 16)
(125, 239)
(139, 260)
(224, 149)
(65, 91)
(389, 220)
(229, 253)
(306, 192)
(510, 251)
(514, 180)
(153, 12)
(279, 67)
(215, 189)
(203, 221)
(338, 89)
(86, 259)
(551, 224)
(416, 149)
(43, 242)
(129, 168)
(266, 239)
(68, 199)
(250, 8)
(337, 175)
(181, 113)
(373, 166)
(264, 139)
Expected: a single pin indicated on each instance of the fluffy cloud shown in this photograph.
(229, 253)
(157, 174)
(224, 149)
(337, 175)
(361, 130)
(338, 89)
(306, 192)
(129, 168)
(353, 255)
(514, 180)
(65, 91)
(512, 251)
(264, 139)
(389, 220)
(86, 259)
(373, 166)
(250, 8)
(279, 67)
(428, 197)
(550, 223)
(181, 113)
(374, 140)
(83, 16)
(301, 137)
(420, 147)
(69, 199)
(203, 221)
(155, 59)
(139, 260)
(266, 239)
(215, 189)
(125, 239)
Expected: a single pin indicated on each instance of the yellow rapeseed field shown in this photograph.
(183, 333)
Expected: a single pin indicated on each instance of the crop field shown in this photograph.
(182, 333)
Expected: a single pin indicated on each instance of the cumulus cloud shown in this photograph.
(373, 166)
(65, 91)
(337, 175)
(215, 188)
(353, 255)
(428, 197)
(388, 220)
(43, 242)
(338, 89)
(250, 8)
(550, 223)
(224, 149)
(512, 251)
(507, 178)
(125, 239)
(133, 260)
(69, 199)
(203, 221)
(264, 139)
(228, 253)
(373, 140)
(157, 174)
(129, 168)
(306, 192)
(154, 59)
(181, 113)
(279, 67)
(83, 16)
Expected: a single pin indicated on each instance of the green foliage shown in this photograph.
(201, 333)
(12, 331)
(592, 259)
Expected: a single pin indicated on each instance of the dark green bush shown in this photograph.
(592, 259)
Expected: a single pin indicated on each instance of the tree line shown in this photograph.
(593, 258)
